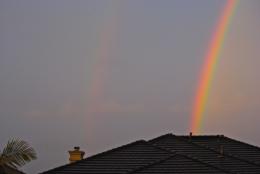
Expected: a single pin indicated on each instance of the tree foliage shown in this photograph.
(16, 153)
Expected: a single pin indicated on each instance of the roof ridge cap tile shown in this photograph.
(214, 150)
(94, 156)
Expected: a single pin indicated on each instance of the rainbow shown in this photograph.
(211, 59)
(107, 38)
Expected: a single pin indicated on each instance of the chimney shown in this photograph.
(76, 155)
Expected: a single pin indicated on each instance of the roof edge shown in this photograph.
(94, 156)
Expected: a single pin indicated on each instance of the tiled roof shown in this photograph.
(171, 154)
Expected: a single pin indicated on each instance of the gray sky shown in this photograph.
(99, 74)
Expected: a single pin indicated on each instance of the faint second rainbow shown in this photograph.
(105, 50)
(211, 59)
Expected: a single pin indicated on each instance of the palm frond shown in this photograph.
(17, 153)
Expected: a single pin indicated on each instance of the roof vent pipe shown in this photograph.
(190, 136)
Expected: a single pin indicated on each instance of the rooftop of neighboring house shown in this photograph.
(215, 154)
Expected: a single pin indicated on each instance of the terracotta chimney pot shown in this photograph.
(76, 154)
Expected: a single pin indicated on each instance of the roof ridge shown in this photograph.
(173, 154)
(160, 137)
(202, 161)
(205, 163)
(190, 157)
(151, 164)
(214, 150)
(161, 148)
(253, 146)
(238, 156)
(216, 135)
(95, 156)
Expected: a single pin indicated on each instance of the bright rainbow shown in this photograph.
(211, 59)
